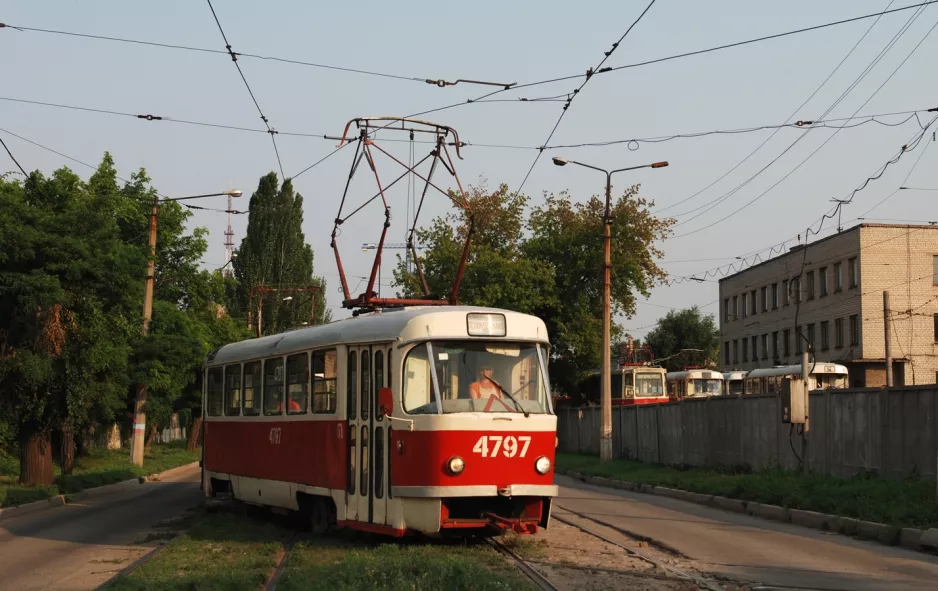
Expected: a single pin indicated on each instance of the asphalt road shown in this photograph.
(744, 548)
(81, 545)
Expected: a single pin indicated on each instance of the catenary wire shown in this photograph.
(13, 158)
(569, 101)
(234, 58)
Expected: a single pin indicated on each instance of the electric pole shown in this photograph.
(887, 326)
(138, 439)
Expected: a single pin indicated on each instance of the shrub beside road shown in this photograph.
(902, 503)
(97, 469)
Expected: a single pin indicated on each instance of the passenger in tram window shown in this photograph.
(484, 387)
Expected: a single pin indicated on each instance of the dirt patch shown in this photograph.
(575, 560)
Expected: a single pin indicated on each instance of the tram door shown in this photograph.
(367, 483)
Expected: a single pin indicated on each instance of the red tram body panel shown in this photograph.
(422, 420)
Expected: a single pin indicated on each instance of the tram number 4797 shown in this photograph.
(508, 446)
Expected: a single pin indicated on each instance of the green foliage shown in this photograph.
(902, 503)
(73, 260)
(680, 330)
(97, 469)
(549, 266)
(274, 254)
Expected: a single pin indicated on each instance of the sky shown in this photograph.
(750, 86)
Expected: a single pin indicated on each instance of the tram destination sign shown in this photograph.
(485, 325)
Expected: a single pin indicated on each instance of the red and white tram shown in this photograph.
(433, 420)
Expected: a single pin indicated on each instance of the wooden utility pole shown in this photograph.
(137, 441)
(887, 327)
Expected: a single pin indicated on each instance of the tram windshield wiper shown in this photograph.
(513, 399)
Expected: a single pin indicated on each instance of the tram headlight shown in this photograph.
(456, 465)
(542, 465)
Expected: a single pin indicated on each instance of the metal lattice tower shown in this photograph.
(229, 243)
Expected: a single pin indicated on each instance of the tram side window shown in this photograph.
(352, 385)
(216, 389)
(379, 383)
(365, 392)
(297, 384)
(417, 390)
(324, 381)
(251, 389)
(379, 462)
(233, 390)
(273, 386)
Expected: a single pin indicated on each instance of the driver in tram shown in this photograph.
(484, 387)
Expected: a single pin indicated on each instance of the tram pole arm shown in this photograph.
(605, 428)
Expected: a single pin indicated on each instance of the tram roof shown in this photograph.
(787, 370)
(696, 374)
(402, 324)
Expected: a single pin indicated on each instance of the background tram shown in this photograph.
(635, 379)
(694, 383)
(434, 420)
(769, 380)
(733, 382)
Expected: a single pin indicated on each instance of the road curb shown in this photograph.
(910, 538)
(88, 493)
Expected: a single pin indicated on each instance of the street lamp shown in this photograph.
(287, 299)
(605, 429)
(140, 417)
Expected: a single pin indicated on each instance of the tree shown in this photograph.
(66, 280)
(274, 254)
(549, 266)
(569, 237)
(682, 330)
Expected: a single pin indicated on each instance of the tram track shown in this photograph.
(669, 570)
(525, 566)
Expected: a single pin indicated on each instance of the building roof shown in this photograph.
(826, 238)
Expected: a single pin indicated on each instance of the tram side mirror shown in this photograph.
(385, 401)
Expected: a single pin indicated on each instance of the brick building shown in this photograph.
(840, 282)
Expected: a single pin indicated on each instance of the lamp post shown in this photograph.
(605, 428)
(140, 417)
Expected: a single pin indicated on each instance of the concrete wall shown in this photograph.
(893, 432)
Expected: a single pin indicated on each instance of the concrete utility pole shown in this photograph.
(887, 326)
(805, 375)
(605, 428)
(138, 439)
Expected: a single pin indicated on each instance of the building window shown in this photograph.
(735, 351)
(838, 277)
(755, 347)
(744, 299)
(854, 272)
(755, 307)
(811, 337)
(765, 346)
(735, 308)
(726, 310)
(936, 328)
(825, 337)
(745, 349)
(822, 275)
(775, 345)
(775, 296)
(765, 299)
(786, 341)
(809, 286)
(726, 353)
(855, 330)
(839, 333)
(795, 287)
(934, 270)
(799, 339)
(786, 296)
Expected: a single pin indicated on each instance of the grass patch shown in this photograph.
(97, 469)
(222, 552)
(901, 503)
(337, 565)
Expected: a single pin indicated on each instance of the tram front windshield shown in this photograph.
(649, 385)
(475, 376)
(706, 386)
